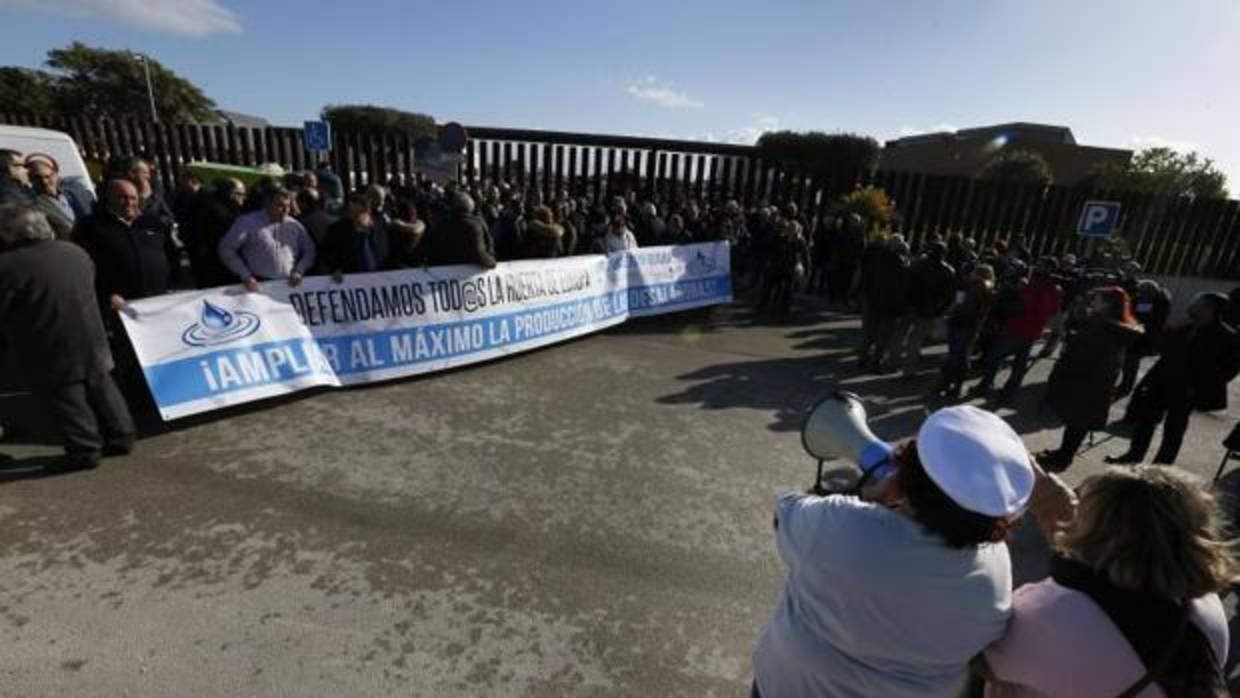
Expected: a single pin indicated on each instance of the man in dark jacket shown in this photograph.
(544, 237)
(931, 289)
(508, 231)
(847, 248)
(202, 233)
(49, 320)
(357, 243)
(313, 214)
(1197, 362)
(152, 207)
(1151, 307)
(133, 259)
(649, 228)
(788, 252)
(824, 233)
(884, 297)
(461, 237)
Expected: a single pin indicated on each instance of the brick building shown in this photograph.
(967, 151)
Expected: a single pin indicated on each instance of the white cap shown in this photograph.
(976, 459)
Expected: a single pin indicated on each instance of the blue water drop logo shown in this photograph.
(215, 318)
(219, 326)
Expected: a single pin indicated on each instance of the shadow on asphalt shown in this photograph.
(31, 468)
(789, 386)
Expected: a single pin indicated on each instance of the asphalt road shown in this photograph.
(592, 519)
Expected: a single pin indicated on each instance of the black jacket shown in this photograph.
(50, 329)
(157, 214)
(1196, 364)
(133, 260)
(202, 236)
(932, 286)
(1082, 383)
(884, 280)
(460, 239)
(542, 240)
(1152, 314)
(342, 247)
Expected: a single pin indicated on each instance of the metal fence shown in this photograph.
(1167, 235)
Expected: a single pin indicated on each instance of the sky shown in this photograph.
(1120, 73)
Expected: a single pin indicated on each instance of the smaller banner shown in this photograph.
(208, 349)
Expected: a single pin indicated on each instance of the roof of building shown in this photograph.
(1026, 130)
(240, 120)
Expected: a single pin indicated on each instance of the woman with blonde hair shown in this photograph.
(1131, 607)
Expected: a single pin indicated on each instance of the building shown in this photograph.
(240, 120)
(967, 151)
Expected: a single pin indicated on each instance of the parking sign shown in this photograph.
(316, 135)
(1098, 219)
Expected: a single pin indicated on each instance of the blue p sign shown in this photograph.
(1098, 219)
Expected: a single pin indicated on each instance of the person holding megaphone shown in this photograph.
(891, 592)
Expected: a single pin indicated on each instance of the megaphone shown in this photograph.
(836, 429)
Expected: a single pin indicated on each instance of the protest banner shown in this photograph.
(204, 350)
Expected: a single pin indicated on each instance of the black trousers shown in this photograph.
(839, 281)
(1173, 412)
(1132, 364)
(1073, 437)
(90, 414)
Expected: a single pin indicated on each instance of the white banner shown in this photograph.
(204, 350)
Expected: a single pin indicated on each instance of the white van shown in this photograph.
(60, 148)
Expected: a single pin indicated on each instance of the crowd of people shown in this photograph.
(991, 306)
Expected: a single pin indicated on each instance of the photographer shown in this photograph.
(893, 593)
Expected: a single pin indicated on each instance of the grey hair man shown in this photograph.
(50, 323)
(50, 199)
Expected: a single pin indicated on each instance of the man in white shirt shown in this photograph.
(268, 244)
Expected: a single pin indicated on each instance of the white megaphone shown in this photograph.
(836, 428)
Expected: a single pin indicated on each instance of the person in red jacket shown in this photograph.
(1036, 300)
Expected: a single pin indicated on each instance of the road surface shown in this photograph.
(592, 519)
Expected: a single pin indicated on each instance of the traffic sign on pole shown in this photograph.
(317, 135)
(1098, 219)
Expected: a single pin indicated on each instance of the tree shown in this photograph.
(367, 117)
(872, 204)
(833, 159)
(1163, 171)
(1023, 166)
(103, 82)
(27, 91)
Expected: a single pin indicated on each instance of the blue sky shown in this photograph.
(1124, 73)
